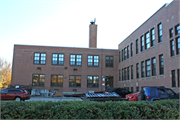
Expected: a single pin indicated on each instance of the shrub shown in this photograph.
(164, 109)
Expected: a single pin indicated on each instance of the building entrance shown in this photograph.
(108, 82)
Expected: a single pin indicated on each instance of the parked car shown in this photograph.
(157, 93)
(121, 91)
(133, 96)
(14, 94)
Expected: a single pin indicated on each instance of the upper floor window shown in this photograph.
(148, 68)
(147, 45)
(153, 66)
(159, 32)
(57, 80)
(109, 61)
(119, 56)
(152, 37)
(131, 49)
(74, 81)
(161, 65)
(142, 43)
(177, 29)
(92, 81)
(38, 80)
(40, 58)
(75, 60)
(137, 50)
(57, 59)
(127, 51)
(93, 60)
(178, 45)
(122, 55)
(172, 47)
(171, 33)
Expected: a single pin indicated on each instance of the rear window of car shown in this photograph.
(153, 91)
(4, 91)
(110, 90)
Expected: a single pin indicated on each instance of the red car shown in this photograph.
(133, 96)
(14, 94)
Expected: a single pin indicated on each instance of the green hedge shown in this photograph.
(164, 109)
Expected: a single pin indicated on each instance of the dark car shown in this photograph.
(121, 91)
(14, 94)
(157, 93)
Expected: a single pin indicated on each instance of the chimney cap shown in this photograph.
(93, 21)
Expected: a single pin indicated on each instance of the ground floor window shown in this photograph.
(57, 80)
(74, 81)
(92, 81)
(178, 73)
(38, 80)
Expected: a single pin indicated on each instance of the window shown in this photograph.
(38, 80)
(178, 76)
(125, 72)
(109, 61)
(159, 33)
(122, 55)
(119, 75)
(161, 65)
(119, 56)
(127, 51)
(137, 89)
(137, 50)
(170, 92)
(152, 37)
(122, 74)
(128, 73)
(92, 81)
(172, 47)
(131, 71)
(161, 91)
(40, 58)
(153, 91)
(147, 43)
(142, 43)
(173, 78)
(93, 60)
(74, 81)
(171, 33)
(75, 60)
(142, 69)
(177, 29)
(153, 66)
(178, 45)
(132, 89)
(131, 49)
(137, 70)
(148, 68)
(57, 80)
(57, 59)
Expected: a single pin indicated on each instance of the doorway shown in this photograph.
(108, 82)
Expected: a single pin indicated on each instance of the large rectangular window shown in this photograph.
(38, 80)
(148, 68)
(178, 45)
(131, 49)
(171, 33)
(93, 60)
(177, 29)
(122, 55)
(119, 75)
(119, 56)
(152, 37)
(74, 81)
(147, 41)
(132, 89)
(131, 71)
(57, 59)
(153, 66)
(40, 58)
(137, 70)
(173, 78)
(161, 65)
(128, 73)
(92, 81)
(142, 43)
(127, 51)
(159, 33)
(178, 76)
(137, 49)
(142, 69)
(75, 60)
(56, 80)
(172, 47)
(109, 61)
(122, 74)
(125, 73)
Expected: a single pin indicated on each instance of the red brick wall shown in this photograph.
(93, 36)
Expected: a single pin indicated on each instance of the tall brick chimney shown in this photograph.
(93, 34)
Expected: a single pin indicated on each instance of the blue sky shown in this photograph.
(66, 22)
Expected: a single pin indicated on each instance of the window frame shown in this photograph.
(57, 59)
(152, 36)
(177, 31)
(177, 46)
(161, 64)
(131, 71)
(57, 79)
(93, 60)
(137, 70)
(131, 49)
(172, 48)
(147, 41)
(153, 66)
(75, 60)
(75, 83)
(40, 58)
(128, 52)
(109, 61)
(148, 65)
(142, 43)
(137, 46)
(160, 39)
(97, 86)
(171, 33)
(38, 81)
(173, 78)
(142, 69)
(119, 75)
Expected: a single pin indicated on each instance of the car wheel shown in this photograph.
(17, 99)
